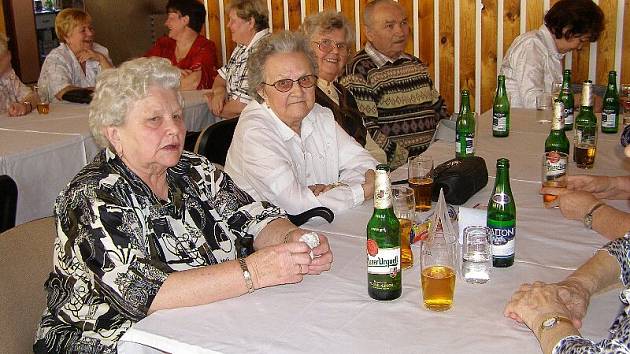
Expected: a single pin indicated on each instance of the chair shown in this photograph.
(25, 262)
(8, 202)
(214, 141)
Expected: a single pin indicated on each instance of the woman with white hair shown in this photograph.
(16, 99)
(147, 226)
(286, 148)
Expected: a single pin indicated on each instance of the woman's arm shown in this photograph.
(602, 187)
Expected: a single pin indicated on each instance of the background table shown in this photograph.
(333, 312)
(43, 152)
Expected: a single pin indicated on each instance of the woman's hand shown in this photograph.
(322, 255)
(217, 100)
(600, 186)
(90, 54)
(531, 301)
(318, 189)
(280, 264)
(19, 109)
(368, 185)
(576, 299)
(573, 204)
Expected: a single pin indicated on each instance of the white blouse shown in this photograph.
(530, 67)
(61, 69)
(271, 162)
(12, 90)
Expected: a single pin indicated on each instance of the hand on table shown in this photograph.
(280, 264)
(322, 255)
(19, 109)
(531, 302)
(573, 204)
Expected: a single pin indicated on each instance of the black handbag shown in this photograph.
(460, 179)
(80, 95)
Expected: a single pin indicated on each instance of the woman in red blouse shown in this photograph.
(192, 53)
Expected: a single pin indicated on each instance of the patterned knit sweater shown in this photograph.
(401, 106)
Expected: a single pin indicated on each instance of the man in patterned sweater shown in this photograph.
(393, 88)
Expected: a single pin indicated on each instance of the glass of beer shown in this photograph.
(585, 149)
(420, 178)
(555, 166)
(405, 208)
(43, 103)
(438, 273)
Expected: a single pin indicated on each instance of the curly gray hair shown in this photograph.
(281, 42)
(118, 88)
(327, 21)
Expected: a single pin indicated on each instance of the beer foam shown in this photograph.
(311, 239)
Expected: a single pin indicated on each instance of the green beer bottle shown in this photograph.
(501, 110)
(585, 138)
(610, 111)
(465, 129)
(557, 139)
(502, 217)
(566, 96)
(383, 242)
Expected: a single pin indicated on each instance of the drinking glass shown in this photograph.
(556, 87)
(43, 103)
(477, 254)
(555, 166)
(438, 272)
(543, 101)
(420, 178)
(405, 208)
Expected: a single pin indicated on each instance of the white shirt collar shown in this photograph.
(257, 37)
(286, 133)
(550, 43)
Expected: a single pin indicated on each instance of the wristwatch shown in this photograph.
(246, 275)
(551, 322)
(588, 218)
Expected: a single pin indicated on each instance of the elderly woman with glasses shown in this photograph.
(286, 148)
(331, 37)
(147, 226)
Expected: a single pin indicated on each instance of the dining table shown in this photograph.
(332, 312)
(43, 152)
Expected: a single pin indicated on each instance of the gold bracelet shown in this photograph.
(285, 238)
(246, 275)
(550, 322)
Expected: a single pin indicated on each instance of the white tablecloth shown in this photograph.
(43, 152)
(334, 314)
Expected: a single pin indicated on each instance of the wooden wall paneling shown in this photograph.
(488, 52)
(426, 21)
(534, 15)
(511, 22)
(606, 42)
(277, 15)
(625, 49)
(411, 20)
(295, 14)
(467, 46)
(311, 7)
(214, 25)
(447, 52)
(330, 5)
(361, 34)
(229, 44)
(579, 67)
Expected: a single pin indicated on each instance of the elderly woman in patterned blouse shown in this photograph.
(147, 226)
(554, 312)
(16, 99)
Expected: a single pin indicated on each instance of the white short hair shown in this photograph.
(118, 88)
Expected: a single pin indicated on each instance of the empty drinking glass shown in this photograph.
(476, 254)
(404, 208)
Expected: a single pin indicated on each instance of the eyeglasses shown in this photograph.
(284, 85)
(327, 45)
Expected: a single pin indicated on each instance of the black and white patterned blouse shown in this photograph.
(618, 340)
(117, 242)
